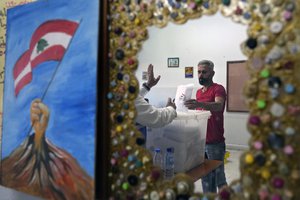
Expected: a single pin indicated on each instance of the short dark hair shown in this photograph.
(207, 63)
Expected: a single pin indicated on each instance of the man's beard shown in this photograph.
(203, 81)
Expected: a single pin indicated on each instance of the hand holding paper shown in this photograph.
(183, 93)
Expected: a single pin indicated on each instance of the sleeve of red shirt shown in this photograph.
(220, 91)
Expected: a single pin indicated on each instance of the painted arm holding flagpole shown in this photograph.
(39, 116)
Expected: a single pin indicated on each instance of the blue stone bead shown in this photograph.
(110, 95)
(247, 15)
(289, 88)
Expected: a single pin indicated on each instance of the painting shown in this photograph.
(237, 75)
(189, 72)
(49, 124)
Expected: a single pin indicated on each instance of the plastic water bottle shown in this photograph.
(158, 158)
(169, 163)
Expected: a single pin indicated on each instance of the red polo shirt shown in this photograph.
(215, 126)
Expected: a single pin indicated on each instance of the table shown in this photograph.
(203, 169)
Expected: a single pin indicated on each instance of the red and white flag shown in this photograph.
(49, 42)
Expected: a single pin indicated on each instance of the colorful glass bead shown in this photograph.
(276, 197)
(287, 15)
(265, 174)
(264, 9)
(249, 159)
(182, 187)
(260, 159)
(263, 39)
(258, 145)
(261, 104)
(170, 194)
(251, 43)
(274, 82)
(289, 88)
(263, 194)
(155, 174)
(265, 73)
(274, 92)
(238, 11)
(132, 89)
(154, 195)
(276, 141)
(276, 27)
(125, 186)
(226, 2)
(119, 54)
(138, 163)
(140, 141)
(290, 6)
(131, 158)
(254, 120)
(119, 129)
(278, 182)
(277, 109)
(283, 169)
(288, 150)
(290, 131)
(132, 180)
(124, 153)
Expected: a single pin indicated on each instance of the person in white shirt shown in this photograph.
(149, 115)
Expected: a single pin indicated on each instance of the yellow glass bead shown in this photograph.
(249, 159)
(265, 174)
(119, 128)
(137, 21)
(257, 27)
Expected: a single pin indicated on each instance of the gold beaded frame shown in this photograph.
(270, 169)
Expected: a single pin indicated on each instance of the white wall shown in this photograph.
(212, 37)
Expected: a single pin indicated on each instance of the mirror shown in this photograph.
(213, 37)
(268, 168)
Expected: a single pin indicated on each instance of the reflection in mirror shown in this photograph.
(214, 38)
(269, 169)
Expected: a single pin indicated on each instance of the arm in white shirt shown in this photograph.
(143, 91)
(148, 115)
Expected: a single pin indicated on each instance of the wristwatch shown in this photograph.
(146, 86)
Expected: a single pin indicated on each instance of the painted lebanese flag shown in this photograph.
(49, 42)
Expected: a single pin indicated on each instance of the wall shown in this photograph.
(212, 37)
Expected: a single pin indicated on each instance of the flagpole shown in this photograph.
(56, 69)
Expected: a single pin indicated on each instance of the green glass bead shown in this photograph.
(265, 73)
(125, 186)
(198, 1)
(138, 164)
(261, 104)
(226, 2)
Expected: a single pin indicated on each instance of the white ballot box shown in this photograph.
(186, 134)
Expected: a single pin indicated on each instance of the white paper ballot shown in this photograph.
(183, 93)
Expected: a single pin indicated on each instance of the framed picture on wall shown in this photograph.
(237, 75)
(189, 72)
(173, 62)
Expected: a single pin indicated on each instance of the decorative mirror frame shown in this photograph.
(270, 169)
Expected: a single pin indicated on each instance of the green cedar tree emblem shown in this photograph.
(42, 44)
